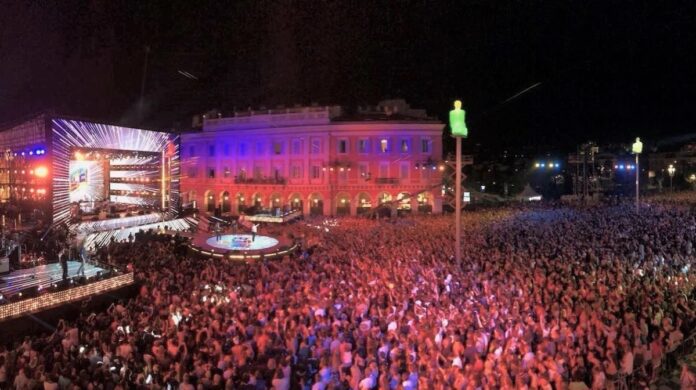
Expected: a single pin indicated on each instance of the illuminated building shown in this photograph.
(321, 160)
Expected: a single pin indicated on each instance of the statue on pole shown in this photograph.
(457, 120)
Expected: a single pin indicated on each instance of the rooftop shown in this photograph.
(387, 110)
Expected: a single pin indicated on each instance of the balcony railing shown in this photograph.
(260, 180)
(387, 180)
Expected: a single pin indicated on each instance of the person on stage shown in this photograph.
(63, 258)
(254, 230)
(218, 231)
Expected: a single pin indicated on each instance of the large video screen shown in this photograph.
(86, 181)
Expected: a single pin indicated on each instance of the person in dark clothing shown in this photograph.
(63, 258)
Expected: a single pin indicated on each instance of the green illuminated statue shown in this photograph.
(457, 123)
(637, 146)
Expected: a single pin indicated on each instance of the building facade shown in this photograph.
(315, 159)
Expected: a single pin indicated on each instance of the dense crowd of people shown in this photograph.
(545, 298)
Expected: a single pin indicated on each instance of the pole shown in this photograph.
(164, 181)
(637, 184)
(458, 203)
(671, 189)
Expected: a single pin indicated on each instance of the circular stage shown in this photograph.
(242, 242)
(241, 246)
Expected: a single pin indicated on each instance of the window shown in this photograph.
(192, 151)
(211, 150)
(211, 173)
(259, 148)
(242, 149)
(277, 147)
(363, 171)
(316, 145)
(278, 172)
(384, 169)
(404, 171)
(226, 172)
(384, 145)
(404, 146)
(316, 172)
(342, 146)
(226, 150)
(258, 172)
(192, 172)
(296, 171)
(363, 146)
(296, 146)
(425, 173)
(242, 173)
(425, 145)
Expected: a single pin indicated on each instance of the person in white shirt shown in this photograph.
(254, 230)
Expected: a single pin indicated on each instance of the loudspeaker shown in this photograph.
(14, 257)
(30, 292)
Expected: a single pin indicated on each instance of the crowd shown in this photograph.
(545, 298)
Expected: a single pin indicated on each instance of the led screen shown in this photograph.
(86, 181)
(132, 175)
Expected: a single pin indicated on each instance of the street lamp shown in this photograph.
(671, 171)
(459, 131)
(637, 150)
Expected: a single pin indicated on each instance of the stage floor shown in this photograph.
(240, 246)
(242, 242)
(42, 276)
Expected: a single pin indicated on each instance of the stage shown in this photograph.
(41, 277)
(241, 246)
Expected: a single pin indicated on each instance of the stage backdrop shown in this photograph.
(68, 135)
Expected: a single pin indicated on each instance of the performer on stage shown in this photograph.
(254, 230)
(63, 258)
(218, 231)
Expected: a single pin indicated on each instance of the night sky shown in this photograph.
(609, 70)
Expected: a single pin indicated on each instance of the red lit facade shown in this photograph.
(315, 159)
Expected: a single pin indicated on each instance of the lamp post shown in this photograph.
(637, 150)
(671, 171)
(459, 131)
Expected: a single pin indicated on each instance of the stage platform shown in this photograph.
(118, 223)
(173, 226)
(241, 246)
(41, 277)
(269, 218)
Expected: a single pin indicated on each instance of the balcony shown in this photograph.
(260, 180)
(387, 180)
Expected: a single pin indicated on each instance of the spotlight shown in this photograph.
(536, 165)
(41, 171)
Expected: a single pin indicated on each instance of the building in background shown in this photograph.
(321, 160)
